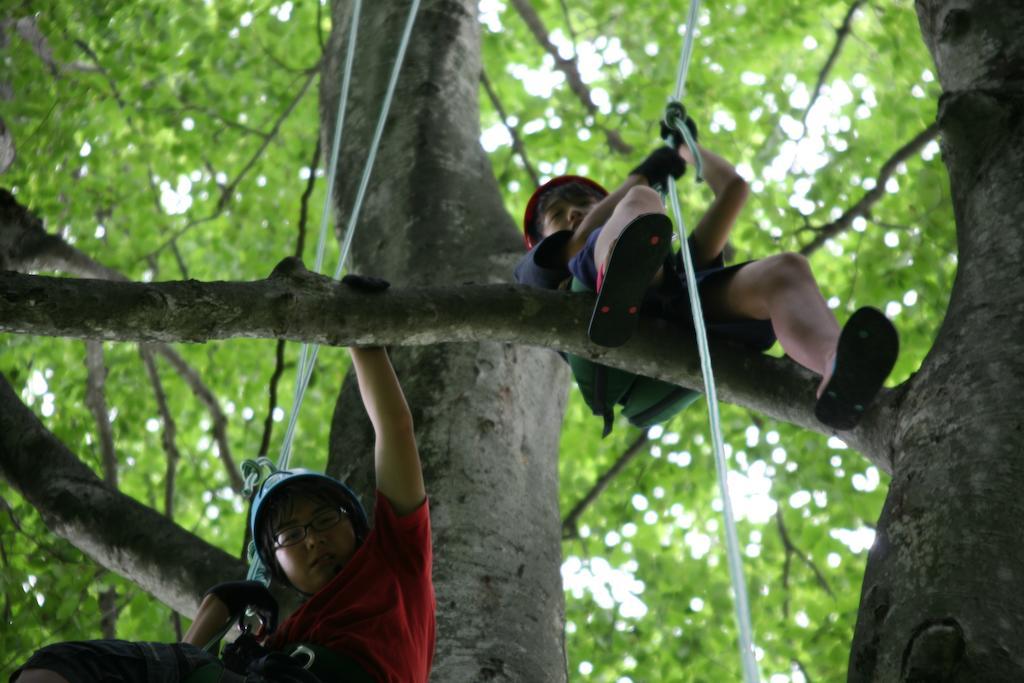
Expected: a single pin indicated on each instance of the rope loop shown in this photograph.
(251, 470)
(674, 111)
(674, 129)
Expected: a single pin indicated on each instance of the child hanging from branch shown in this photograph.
(368, 613)
(618, 245)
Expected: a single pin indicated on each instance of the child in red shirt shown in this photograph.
(370, 601)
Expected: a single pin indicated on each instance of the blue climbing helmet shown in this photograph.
(279, 480)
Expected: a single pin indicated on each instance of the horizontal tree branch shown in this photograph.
(298, 305)
(863, 207)
(25, 245)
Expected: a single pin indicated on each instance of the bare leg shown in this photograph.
(638, 201)
(782, 289)
(40, 676)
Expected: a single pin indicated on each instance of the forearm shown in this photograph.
(396, 457)
(381, 392)
(211, 618)
(600, 214)
(731, 191)
(719, 174)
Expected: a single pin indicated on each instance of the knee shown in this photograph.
(642, 199)
(788, 269)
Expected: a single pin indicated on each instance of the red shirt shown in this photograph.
(379, 609)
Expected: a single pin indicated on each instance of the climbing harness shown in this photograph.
(675, 119)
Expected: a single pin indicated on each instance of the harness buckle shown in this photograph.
(303, 650)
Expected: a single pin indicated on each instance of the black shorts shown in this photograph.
(118, 661)
(671, 301)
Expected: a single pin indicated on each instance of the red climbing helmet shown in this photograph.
(530, 216)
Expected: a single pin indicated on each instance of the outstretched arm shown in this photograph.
(731, 191)
(599, 215)
(399, 474)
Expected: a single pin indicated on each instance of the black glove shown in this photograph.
(238, 655)
(237, 595)
(671, 135)
(659, 165)
(366, 283)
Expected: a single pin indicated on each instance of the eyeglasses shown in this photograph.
(322, 521)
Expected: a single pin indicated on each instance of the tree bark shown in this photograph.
(943, 595)
(487, 414)
(302, 306)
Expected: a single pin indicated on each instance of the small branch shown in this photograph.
(570, 525)
(863, 207)
(319, 28)
(791, 549)
(300, 243)
(108, 613)
(48, 550)
(180, 261)
(803, 670)
(84, 46)
(95, 399)
(170, 430)
(28, 29)
(280, 63)
(275, 378)
(179, 632)
(229, 190)
(513, 131)
(188, 106)
(8, 153)
(570, 69)
(233, 185)
(568, 24)
(219, 419)
(8, 611)
(856, 269)
(841, 34)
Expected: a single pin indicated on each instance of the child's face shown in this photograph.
(565, 214)
(312, 562)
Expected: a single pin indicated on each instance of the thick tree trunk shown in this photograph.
(943, 596)
(487, 414)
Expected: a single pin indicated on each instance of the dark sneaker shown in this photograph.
(867, 350)
(632, 264)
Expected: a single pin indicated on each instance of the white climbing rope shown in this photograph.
(308, 354)
(307, 360)
(750, 672)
